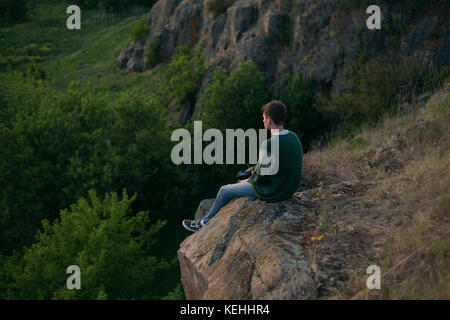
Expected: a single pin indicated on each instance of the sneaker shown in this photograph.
(193, 225)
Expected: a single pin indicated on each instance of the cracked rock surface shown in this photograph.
(249, 250)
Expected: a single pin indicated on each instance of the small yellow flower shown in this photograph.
(317, 238)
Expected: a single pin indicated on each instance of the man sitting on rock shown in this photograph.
(270, 188)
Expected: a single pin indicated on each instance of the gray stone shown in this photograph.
(424, 97)
(82, 64)
(217, 27)
(414, 39)
(377, 156)
(242, 15)
(275, 24)
(246, 253)
(135, 65)
(203, 208)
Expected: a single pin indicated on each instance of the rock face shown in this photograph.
(318, 37)
(321, 38)
(132, 57)
(249, 250)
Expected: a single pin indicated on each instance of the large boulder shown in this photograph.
(122, 59)
(253, 249)
(132, 57)
(249, 250)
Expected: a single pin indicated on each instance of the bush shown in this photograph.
(176, 294)
(182, 77)
(140, 30)
(35, 72)
(235, 101)
(110, 244)
(59, 144)
(152, 52)
(230, 102)
(298, 94)
(372, 89)
(437, 79)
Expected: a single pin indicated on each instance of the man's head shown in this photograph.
(274, 114)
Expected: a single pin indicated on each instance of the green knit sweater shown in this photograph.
(285, 182)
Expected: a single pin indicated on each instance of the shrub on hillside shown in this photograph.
(372, 89)
(182, 77)
(152, 52)
(231, 101)
(235, 100)
(436, 79)
(298, 94)
(140, 30)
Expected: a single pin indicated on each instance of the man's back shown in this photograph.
(286, 181)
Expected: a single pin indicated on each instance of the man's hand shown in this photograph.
(241, 181)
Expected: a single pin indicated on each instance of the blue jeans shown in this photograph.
(226, 194)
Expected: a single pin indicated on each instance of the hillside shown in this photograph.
(379, 199)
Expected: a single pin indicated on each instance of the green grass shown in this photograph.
(100, 51)
(45, 40)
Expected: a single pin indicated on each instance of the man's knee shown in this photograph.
(226, 189)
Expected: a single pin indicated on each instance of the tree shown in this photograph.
(298, 95)
(235, 101)
(111, 245)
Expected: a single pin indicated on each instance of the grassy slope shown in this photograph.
(401, 208)
(44, 40)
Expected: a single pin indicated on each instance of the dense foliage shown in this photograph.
(140, 30)
(182, 77)
(152, 52)
(303, 118)
(235, 101)
(57, 145)
(110, 244)
(372, 89)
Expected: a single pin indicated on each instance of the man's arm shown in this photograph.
(256, 177)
